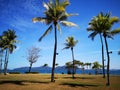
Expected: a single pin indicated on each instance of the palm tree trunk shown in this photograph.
(1, 66)
(5, 62)
(103, 66)
(108, 62)
(54, 55)
(30, 67)
(73, 63)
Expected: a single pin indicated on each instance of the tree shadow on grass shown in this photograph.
(79, 77)
(73, 84)
(22, 82)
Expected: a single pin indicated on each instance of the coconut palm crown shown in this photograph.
(70, 43)
(55, 13)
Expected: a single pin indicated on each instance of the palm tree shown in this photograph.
(56, 64)
(55, 13)
(82, 66)
(76, 64)
(70, 43)
(8, 43)
(104, 24)
(68, 66)
(96, 27)
(87, 64)
(96, 66)
(45, 65)
(108, 33)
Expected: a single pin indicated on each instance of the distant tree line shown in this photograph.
(81, 65)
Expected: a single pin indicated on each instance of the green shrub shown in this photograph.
(32, 72)
(14, 72)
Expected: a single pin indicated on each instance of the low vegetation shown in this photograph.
(62, 82)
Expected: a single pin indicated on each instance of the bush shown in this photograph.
(32, 72)
(14, 72)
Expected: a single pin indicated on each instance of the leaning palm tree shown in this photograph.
(55, 14)
(95, 26)
(8, 44)
(70, 43)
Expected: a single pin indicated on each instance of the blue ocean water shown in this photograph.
(64, 71)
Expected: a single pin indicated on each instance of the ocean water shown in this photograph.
(64, 71)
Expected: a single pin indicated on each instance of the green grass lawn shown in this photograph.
(62, 82)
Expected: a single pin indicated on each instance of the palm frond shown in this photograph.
(65, 3)
(39, 19)
(90, 29)
(72, 14)
(45, 5)
(116, 31)
(66, 23)
(46, 32)
(108, 34)
(65, 48)
(92, 35)
(114, 20)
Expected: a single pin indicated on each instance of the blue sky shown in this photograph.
(18, 14)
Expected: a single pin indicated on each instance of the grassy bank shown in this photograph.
(63, 82)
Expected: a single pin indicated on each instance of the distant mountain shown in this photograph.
(34, 69)
(60, 67)
(21, 68)
(42, 69)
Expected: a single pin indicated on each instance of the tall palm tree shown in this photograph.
(55, 14)
(104, 23)
(8, 43)
(96, 28)
(70, 43)
(108, 33)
